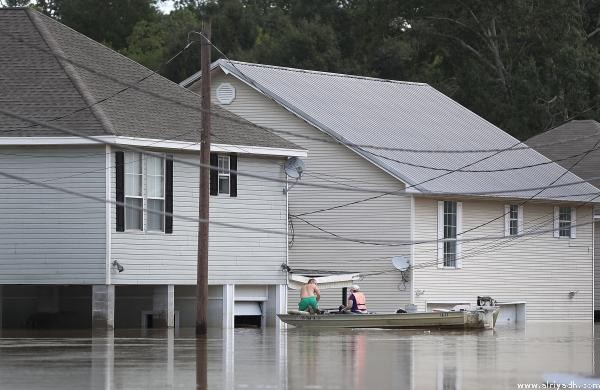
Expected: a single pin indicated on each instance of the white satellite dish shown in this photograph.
(400, 263)
(294, 168)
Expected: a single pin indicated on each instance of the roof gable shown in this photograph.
(368, 111)
(54, 70)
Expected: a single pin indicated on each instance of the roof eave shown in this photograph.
(154, 143)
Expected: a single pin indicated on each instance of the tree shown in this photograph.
(109, 22)
(14, 3)
(512, 65)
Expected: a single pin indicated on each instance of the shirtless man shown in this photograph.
(309, 297)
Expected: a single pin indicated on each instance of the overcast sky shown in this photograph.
(166, 6)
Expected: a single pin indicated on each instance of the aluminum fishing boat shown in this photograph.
(482, 317)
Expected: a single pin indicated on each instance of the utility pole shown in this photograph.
(202, 271)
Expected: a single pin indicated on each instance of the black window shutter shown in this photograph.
(169, 194)
(233, 175)
(214, 174)
(120, 190)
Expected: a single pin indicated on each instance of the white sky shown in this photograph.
(165, 6)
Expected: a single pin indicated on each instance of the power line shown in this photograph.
(152, 73)
(242, 227)
(478, 170)
(244, 121)
(268, 178)
(344, 142)
(134, 86)
(378, 147)
(362, 189)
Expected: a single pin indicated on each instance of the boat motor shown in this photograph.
(486, 301)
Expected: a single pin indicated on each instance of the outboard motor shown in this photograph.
(486, 301)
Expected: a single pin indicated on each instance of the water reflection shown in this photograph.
(295, 359)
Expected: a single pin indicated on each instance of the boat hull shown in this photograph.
(474, 319)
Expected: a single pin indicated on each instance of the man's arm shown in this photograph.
(317, 293)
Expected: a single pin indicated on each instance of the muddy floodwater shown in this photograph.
(295, 359)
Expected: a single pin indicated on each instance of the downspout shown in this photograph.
(412, 249)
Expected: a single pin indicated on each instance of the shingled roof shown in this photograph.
(48, 71)
(572, 139)
(360, 110)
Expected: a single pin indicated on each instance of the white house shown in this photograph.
(416, 174)
(99, 192)
(572, 145)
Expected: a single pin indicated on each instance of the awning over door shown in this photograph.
(296, 281)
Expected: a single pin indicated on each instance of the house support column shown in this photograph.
(103, 360)
(163, 306)
(281, 304)
(103, 306)
(228, 306)
(276, 303)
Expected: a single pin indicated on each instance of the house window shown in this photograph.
(564, 222)
(450, 227)
(513, 220)
(144, 191)
(155, 184)
(134, 201)
(224, 175)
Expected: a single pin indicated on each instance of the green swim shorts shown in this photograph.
(307, 302)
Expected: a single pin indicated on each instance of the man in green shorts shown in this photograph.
(309, 297)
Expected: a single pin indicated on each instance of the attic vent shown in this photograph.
(225, 93)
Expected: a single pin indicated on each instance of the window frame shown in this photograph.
(127, 162)
(449, 235)
(144, 190)
(562, 230)
(147, 196)
(450, 228)
(221, 172)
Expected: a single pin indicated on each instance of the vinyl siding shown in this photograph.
(540, 270)
(235, 256)
(46, 236)
(385, 218)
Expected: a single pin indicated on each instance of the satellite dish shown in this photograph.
(294, 168)
(400, 263)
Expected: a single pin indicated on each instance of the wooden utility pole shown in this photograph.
(202, 271)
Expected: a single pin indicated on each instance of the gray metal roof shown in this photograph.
(48, 70)
(570, 139)
(362, 110)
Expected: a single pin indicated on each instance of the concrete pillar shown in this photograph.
(171, 358)
(276, 304)
(103, 306)
(163, 306)
(228, 358)
(103, 360)
(281, 303)
(228, 306)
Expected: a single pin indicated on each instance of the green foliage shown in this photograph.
(106, 21)
(14, 3)
(525, 65)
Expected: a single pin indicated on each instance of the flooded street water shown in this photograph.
(295, 359)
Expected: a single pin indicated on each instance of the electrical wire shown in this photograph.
(237, 226)
(421, 183)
